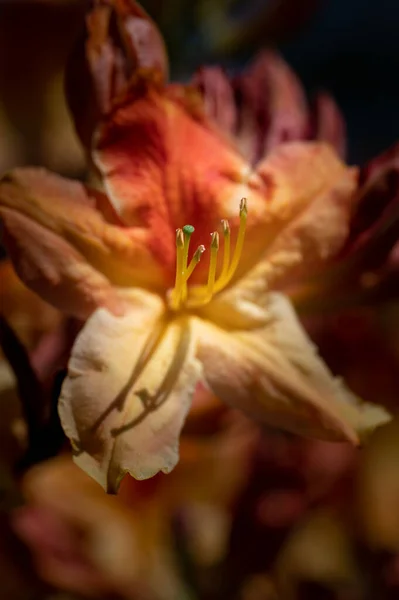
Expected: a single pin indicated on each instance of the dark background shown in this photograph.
(349, 47)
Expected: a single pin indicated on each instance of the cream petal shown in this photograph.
(274, 373)
(128, 390)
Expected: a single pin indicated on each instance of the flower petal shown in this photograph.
(218, 98)
(319, 212)
(163, 167)
(300, 174)
(273, 107)
(67, 244)
(309, 205)
(329, 124)
(128, 390)
(274, 373)
(364, 270)
(375, 224)
(265, 106)
(120, 39)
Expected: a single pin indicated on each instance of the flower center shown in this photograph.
(181, 295)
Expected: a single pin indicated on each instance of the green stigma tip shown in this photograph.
(188, 230)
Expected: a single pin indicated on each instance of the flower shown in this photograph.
(176, 259)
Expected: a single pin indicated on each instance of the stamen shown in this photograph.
(188, 231)
(224, 279)
(176, 294)
(200, 295)
(209, 290)
(226, 248)
(213, 263)
(194, 262)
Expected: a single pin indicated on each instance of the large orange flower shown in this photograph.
(173, 188)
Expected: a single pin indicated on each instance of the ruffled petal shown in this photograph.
(128, 390)
(67, 244)
(274, 373)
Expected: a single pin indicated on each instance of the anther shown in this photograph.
(179, 238)
(194, 262)
(179, 269)
(226, 277)
(212, 266)
(215, 240)
(226, 248)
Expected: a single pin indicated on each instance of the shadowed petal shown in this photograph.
(329, 124)
(128, 390)
(375, 224)
(67, 244)
(364, 271)
(266, 106)
(274, 374)
(54, 269)
(218, 98)
(272, 105)
(120, 39)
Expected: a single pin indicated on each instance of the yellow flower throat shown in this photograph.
(201, 295)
